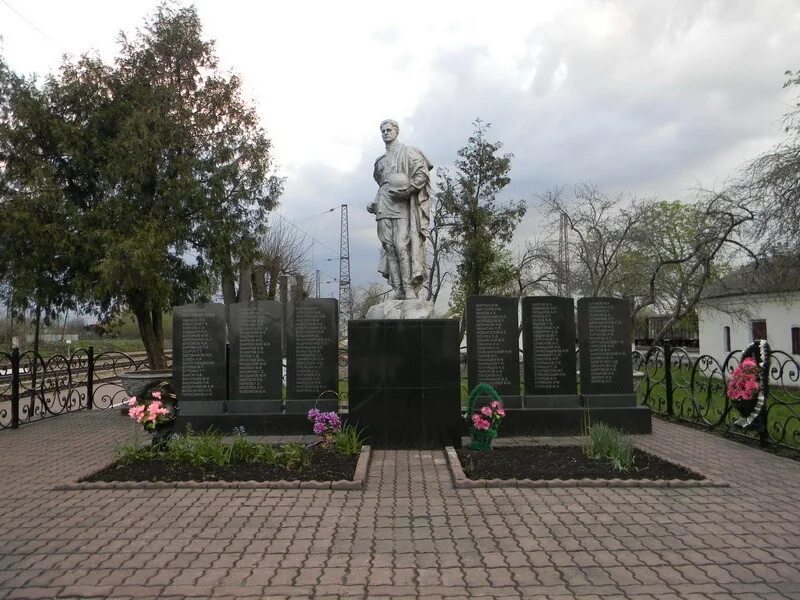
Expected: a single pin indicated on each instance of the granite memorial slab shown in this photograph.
(255, 364)
(404, 387)
(198, 364)
(312, 355)
(548, 341)
(493, 346)
(604, 337)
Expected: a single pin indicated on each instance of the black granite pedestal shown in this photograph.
(404, 382)
(570, 421)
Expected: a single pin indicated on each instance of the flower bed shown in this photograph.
(562, 462)
(565, 466)
(323, 465)
(337, 459)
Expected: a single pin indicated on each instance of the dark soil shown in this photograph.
(561, 462)
(325, 466)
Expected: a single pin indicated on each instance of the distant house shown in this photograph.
(758, 301)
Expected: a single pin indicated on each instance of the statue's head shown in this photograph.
(389, 130)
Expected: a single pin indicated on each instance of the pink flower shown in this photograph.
(501, 411)
(132, 401)
(494, 404)
(486, 410)
(479, 422)
(155, 409)
(136, 413)
(157, 395)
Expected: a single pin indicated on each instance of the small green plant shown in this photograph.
(607, 443)
(203, 448)
(268, 455)
(295, 457)
(134, 451)
(243, 450)
(348, 441)
(469, 468)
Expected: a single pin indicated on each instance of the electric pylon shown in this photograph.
(563, 256)
(345, 300)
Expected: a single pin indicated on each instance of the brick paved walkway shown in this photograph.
(409, 535)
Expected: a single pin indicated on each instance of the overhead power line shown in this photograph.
(30, 23)
(307, 233)
(322, 214)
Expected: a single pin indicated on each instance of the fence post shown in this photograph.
(762, 430)
(668, 374)
(15, 388)
(90, 379)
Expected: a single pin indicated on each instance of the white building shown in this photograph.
(754, 302)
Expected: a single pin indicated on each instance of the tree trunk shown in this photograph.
(245, 284)
(274, 276)
(37, 328)
(228, 285)
(151, 331)
(259, 285)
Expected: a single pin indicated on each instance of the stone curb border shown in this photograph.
(357, 483)
(461, 481)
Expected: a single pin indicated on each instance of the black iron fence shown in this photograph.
(693, 389)
(35, 387)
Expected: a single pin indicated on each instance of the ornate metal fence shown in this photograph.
(34, 387)
(672, 382)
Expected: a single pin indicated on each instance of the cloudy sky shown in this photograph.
(654, 97)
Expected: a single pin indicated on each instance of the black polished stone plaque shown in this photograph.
(255, 366)
(548, 341)
(493, 346)
(312, 354)
(604, 336)
(198, 361)
(404, 388)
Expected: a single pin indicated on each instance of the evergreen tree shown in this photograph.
(164, 166)
(479, 226)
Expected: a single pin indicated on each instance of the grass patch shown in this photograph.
(609, 444)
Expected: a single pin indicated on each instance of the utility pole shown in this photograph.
(345, 300)
(563, 256)
(318, 283)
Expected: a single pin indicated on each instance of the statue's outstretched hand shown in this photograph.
(371, 208)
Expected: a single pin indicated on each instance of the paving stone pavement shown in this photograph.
(408, 535)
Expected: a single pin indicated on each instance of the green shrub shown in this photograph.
(205, 448)
(608, 443)
(181, 449)
(295, 457)
(348, 440)
(134, 451)
(243, 450)
(268, 454)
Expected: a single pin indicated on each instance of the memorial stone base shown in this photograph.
(570, 421)
(404, 382)
(258, 417)
(254, 424)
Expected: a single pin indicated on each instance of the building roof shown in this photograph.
(771, 275)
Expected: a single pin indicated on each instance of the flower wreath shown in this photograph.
(749, 384)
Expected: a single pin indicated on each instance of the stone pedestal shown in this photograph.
(401, 309)
(404, 387)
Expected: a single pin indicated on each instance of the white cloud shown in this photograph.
(650, 96)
